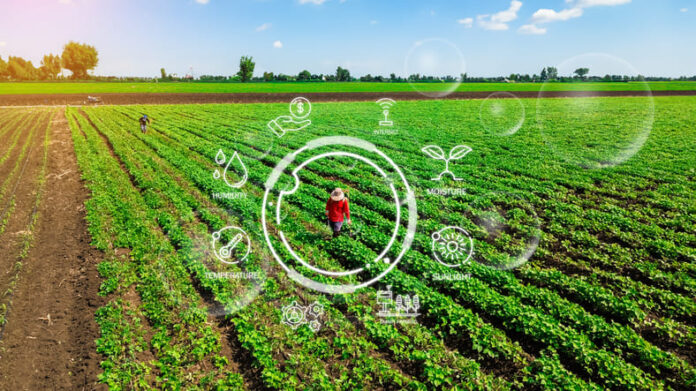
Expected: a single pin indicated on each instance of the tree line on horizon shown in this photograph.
(79, 58)
(247, 65)
(76, 57)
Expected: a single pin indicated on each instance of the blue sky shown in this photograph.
(492, 37)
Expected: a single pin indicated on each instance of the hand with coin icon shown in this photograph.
(297, 120)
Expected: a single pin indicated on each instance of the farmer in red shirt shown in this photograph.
(336, 207)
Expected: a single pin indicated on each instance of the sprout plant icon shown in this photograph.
(455, 153)
(220, 159)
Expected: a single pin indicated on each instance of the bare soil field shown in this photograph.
(193, 98)
(48, 329)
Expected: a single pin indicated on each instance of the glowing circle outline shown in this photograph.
(273, 178)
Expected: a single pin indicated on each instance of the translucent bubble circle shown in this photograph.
(241, 281)
(506, 230)
(438, 58)
(587, 129)
(502, 113)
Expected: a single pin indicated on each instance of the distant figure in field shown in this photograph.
(336, 207)
(144, 121)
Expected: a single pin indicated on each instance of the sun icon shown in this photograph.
(452, 246)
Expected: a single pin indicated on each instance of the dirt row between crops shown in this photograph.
(48, 342)
(182, 98)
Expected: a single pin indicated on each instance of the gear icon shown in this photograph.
(315, 325)
(294, 315)
(316, 310)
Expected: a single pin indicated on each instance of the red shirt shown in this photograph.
(336, 209)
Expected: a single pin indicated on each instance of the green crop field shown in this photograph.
(300, 87)
(597, 213)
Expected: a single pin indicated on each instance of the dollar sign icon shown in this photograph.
(300, 107)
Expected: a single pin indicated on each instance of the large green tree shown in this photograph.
(50, 66)
(246, 68)
(79, 58)
(582, 72)
(304, 75)
(21, 69)
(342, 74)
(3, 68)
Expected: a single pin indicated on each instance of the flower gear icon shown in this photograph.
(294, 315)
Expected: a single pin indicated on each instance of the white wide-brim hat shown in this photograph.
(337, 194)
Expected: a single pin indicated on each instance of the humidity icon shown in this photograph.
(222, 160)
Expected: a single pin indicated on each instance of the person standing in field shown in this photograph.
(336, 207)
(144, 121)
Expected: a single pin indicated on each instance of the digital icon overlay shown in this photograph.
(455, 153)
(300, 108)
(234, 248)
(295, 315)
(273, 199)
(222, 160)
(386, 104)
(452, 246)
(397, 309)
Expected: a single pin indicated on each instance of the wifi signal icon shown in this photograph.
(386, 104)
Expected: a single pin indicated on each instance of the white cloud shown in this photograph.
(485, 22)
(277, 44)
(499, 21)
(3, 44)
(509, 14)
(532, 29)
(545, 15)
(373, 22)
(466, 22)
(575, 10)
(202, 1)
(65, 2)
(317, 2)
(683, 10)
(263, 27)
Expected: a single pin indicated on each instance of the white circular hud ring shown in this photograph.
(353, 142)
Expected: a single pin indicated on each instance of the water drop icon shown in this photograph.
(220, 157)
(237, 161)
